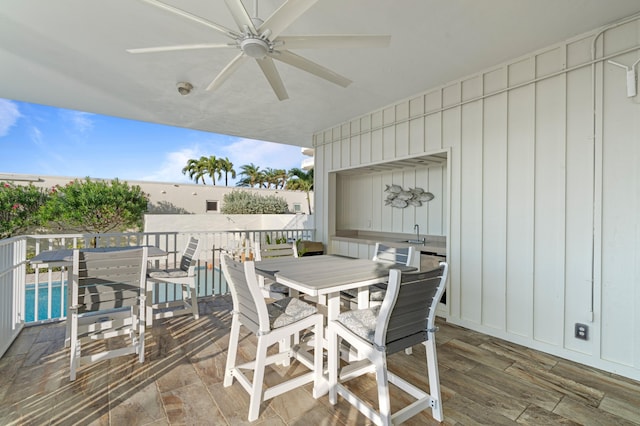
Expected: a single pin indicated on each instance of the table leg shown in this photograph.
(363, 297)
(333, 305)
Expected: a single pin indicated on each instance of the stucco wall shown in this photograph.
(220, 222)
(182, 198)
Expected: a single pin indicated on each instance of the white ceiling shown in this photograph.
(71, 54)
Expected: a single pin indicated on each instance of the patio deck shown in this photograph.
(484, 381)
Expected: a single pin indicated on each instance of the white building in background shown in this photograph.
(176, 198)
(307, 163)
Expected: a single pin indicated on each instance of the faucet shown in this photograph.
(416, 228)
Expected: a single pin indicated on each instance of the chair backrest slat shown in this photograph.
(107, 280)
(408, 310)
(248, 301)
(400, 255)
(264, 251)
(190, 256)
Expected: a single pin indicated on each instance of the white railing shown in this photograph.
(12, 289)
(29, 296)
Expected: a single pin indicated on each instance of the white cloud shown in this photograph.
(9, 116)
(262, 154)
(36, 136)
(171, 168)
(81, 121)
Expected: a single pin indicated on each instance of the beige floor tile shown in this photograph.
(177, 375)
(233, 402)
(136, 405)
(191, 405)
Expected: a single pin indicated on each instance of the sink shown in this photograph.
(414, 241)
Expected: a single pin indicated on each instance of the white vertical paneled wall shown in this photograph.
(540, 202)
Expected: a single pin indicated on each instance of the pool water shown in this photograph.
(208, 283)
(43, 297)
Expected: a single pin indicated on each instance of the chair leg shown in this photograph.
(434, 377)
(283, 346)
(234, 337)
(318, 363)
(258, 378)
(75, 345)
(185, 292)
(149, 305)
(383, 389)
(194, 300)
(67, 331)
(332, 364)
(141, 326)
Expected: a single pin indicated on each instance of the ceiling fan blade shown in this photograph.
(273, 76)
(285, 15)
(240, 15)
(185, 14)
(334, 41)
(227, 71)
(311, 67)
(181, 47)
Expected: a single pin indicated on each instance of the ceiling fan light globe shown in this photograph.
(254, 47)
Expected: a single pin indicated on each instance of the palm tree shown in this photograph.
(226, 167)
(195, 169)
(299, 180)
(270, 178)
(281, 177)
(252, 176)
(261, 179)
(212, 167)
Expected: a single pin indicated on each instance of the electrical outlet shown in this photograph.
(582, 331)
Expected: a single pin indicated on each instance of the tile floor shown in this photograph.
(484, 381)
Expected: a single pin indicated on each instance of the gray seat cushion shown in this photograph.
(288, 310)
(279, 288)
(377, 293)
(168, 273)
(362, 322)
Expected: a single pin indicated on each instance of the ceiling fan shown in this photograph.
(262, 41)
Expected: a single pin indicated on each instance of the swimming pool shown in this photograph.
(209, 282)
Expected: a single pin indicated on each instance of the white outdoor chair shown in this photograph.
(268, 251)
(271, 323)
(183, 276)
(405, 318)
(382, 253)
(107, 300)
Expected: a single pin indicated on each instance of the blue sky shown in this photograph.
(36, 139)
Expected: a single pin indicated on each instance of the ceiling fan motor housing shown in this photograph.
(254, 47)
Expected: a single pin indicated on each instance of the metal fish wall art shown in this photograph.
(405, 195)
(394, 189)
(400, 198)
(395, 202)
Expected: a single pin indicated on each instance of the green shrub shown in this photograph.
(19, 205)
(245, 202)
(95, 207)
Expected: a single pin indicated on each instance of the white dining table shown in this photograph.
(328, 275)
(64, 257)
